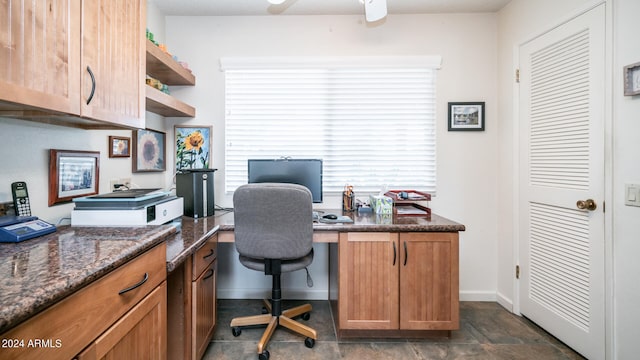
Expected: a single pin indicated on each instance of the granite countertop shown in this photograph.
(193, 233)
(37, 273)
(364, 222)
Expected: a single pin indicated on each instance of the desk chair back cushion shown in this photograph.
(273, 221)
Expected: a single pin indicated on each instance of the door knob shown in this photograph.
(588, 204)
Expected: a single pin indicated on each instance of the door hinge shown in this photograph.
(517, 75)
(517, 271)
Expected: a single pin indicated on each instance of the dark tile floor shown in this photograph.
(487, 331)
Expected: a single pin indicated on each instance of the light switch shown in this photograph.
(632, 194)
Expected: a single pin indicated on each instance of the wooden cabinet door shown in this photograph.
(204, 310)
(368, 282)
(40, 55)
(140, 334)
(429, 281)
(113, 61)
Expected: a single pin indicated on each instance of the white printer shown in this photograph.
(133, 207)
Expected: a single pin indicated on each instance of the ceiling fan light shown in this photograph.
(375, 10)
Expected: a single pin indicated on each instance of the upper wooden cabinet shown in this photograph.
(73, 62)
(163, 67)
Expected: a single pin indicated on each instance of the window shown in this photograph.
(371, 120)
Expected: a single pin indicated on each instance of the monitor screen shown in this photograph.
(306, 172)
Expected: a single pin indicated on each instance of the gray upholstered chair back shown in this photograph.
(273, 221)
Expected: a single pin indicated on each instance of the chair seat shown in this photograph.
(285, 266)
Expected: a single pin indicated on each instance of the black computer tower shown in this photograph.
(196, 189)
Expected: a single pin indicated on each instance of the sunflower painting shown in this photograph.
(148, 151)
(193, 147)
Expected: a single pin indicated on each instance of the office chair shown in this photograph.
(274, 234)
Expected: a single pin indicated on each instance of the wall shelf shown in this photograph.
(164, 68)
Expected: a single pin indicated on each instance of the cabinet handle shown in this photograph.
(406, 253)
(93, 84)
(210, 254)
(144, 280)
(394, 254)
(208, 275)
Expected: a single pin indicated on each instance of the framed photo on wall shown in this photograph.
(466, 116)
(193, 147)
(119, 146)
(72, 174)
(149, 151)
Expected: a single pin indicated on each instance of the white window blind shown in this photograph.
(371, 120)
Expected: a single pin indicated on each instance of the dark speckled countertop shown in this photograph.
(193, 233)
(37, 273)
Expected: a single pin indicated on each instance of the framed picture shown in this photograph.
(193, 147)
(119, 146)
(466, 116)
(149, 151)
(72, 174)
(632, 79)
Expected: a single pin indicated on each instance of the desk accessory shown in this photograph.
(20, 228)
(348, 199)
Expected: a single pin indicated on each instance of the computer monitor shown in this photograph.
(306, 172)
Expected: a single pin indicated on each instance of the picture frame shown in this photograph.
(149, 151)
(72, 174)
(632, 79)
(466, 116)
(193, 147)
(119, 147)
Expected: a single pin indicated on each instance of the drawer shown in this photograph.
(78, 320)
(204, 256)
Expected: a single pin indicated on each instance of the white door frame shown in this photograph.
(608, 163)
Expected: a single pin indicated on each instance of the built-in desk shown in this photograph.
(391, 276)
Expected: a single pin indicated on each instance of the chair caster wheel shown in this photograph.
(236, 331)
(265, 310)
(309, 342)
(306, 316)
(264, 356)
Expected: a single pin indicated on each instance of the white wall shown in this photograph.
(467, 171)
(626, 148)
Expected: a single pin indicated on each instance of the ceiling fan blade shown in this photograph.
(375, 10)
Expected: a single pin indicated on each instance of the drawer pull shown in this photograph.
(394, 254)
(144, 280)
(210, 254)
(208, 275)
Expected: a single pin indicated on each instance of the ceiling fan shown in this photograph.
(374, 10)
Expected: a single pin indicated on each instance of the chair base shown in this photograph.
(273, 321)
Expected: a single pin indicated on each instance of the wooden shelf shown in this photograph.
(162, 67)
(166, 105)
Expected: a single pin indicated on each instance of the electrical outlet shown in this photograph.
(126, 182)
(112, 184)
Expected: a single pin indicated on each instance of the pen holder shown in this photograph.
(348, 201)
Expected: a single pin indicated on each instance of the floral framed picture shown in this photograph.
(119, 146)
(72, 174)
(149, 151)
(466, 116)
(193, 147)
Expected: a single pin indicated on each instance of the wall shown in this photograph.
(467, 172)
(626, 126)
(25, 155)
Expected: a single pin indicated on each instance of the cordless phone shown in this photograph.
(21, 198)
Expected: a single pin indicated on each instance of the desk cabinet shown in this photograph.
(192, 303)
(398, 281)
(103, 318)
(47, 49)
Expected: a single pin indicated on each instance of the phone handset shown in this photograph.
(21, 198)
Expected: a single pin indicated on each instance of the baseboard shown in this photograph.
(477, 296)
(505, 302)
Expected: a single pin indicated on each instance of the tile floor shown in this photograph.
(487, 331)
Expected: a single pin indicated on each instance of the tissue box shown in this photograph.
(381, 204)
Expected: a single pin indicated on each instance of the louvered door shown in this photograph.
(562, 162)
